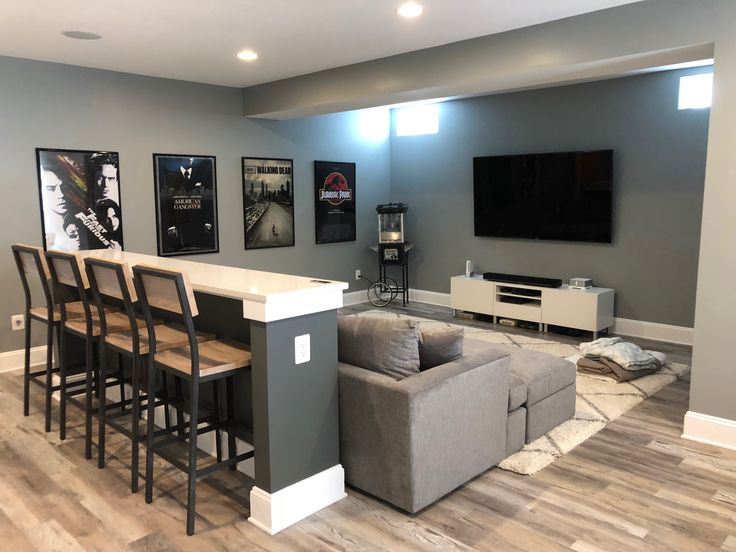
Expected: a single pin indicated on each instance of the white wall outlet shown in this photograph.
(18, 322)
(357, 274)
(301, 349)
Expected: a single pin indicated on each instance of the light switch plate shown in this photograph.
(301, 349)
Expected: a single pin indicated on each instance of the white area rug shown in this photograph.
(599, 401)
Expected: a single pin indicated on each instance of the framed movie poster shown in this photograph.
(334, 203)
(268, 202)
(79, 193)
(186, 204)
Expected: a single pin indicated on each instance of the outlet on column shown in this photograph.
(18, 322)
(301, 349)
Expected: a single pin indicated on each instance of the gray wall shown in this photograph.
(49, 105)
(659, 166)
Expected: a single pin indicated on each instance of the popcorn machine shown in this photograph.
(392, 247)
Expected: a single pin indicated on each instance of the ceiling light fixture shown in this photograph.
(81, 35)
(247, 55)
(410, 9)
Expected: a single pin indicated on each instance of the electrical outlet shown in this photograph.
(357, 274)
(18, 322)
(301, 349)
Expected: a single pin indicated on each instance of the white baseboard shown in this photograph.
(354, 298)
(14, 360)
(654, 331)
(710, 430)
(429, 297)
(273, 512)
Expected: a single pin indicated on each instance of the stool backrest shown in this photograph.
(31, 263)
(169, 291)
(113, 279)
(68, 270)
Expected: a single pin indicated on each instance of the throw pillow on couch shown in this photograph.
(439, 346)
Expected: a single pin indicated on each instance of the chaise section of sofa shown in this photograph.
(412, 441)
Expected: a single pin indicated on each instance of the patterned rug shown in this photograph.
(599, 400)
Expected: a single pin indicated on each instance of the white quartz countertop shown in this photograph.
(289, 295)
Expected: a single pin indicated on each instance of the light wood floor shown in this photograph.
(636, 485)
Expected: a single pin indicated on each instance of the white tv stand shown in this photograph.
(590, 310)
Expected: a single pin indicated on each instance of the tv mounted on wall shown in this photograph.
(546, 196)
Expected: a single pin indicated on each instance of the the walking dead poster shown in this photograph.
(268, 200)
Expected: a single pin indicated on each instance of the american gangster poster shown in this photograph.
(186, 204)
(334, 203)
(80, 199)
(268, 201)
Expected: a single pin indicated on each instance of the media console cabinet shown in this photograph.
(590, 310)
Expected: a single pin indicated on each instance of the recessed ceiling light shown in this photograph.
(247, 55)
(81, 35)
(410, 9)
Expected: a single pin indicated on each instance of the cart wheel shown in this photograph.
(393, 286)
(380, 294)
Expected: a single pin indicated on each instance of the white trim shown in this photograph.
(354, 298)
(273, 512)
(654, 331)
(711, 430)
(429, 297)
(14, 360)
(621, 326)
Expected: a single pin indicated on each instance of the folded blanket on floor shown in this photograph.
(626, 355)
(609, 369)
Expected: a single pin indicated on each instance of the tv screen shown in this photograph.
(544, 196)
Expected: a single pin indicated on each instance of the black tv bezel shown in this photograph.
(537, 238)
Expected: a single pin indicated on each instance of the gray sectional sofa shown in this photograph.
(413, 440)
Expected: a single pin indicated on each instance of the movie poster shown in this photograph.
(334, 204)
(186, 204)
(80, 199)
(268, 201)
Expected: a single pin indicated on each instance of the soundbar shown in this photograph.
(525, 280)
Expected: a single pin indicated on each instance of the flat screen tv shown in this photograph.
(545, 196)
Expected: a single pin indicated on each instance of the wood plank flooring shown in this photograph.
(636, 485)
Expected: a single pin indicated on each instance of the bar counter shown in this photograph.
(294, 406)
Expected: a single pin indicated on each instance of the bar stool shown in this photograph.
(67, 271)
(113, 280)
(197, 364)
(31, 263)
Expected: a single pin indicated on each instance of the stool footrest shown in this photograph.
(176, 438)
(208, 470)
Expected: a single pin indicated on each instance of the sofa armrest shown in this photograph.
(412, 441)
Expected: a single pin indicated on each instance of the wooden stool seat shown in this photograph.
(74, 309)
(168, 336)
(215, 357)
(116, 322)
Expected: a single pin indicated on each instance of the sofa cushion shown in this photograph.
(543, 374)
(389, 347)
(439, 346)
(517, 391)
